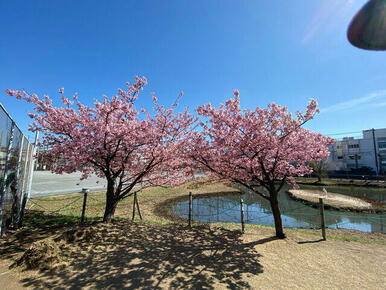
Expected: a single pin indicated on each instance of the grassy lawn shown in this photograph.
(153, 205)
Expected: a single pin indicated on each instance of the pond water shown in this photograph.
(226, 208)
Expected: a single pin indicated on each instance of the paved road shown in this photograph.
(47, 183)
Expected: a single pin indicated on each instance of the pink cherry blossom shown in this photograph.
(260, 149)
(113, 140)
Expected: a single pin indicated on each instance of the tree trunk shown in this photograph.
(319, 173)
(276, 215)
(109, 211)
(111, 201)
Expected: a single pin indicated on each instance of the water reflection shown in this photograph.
(294, 214)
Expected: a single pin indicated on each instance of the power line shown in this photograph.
(344, 133)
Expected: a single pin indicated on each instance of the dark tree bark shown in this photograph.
(111, 201)
(109, 211)
(276, 215)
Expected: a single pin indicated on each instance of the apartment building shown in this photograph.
(368, 151)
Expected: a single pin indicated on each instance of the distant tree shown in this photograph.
(113, 140)
(260, 149)
(320, 168)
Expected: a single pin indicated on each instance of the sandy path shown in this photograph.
(10, 279)
(328, 265)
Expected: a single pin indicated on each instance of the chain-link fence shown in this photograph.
(16, 154)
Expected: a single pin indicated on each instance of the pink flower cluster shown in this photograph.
(111, 140)
(260, 146)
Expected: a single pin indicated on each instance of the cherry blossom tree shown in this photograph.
(132, 149)
(260, 149)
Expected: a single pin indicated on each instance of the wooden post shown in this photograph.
(322, 221)
(190, 209)
(136, 201)
(135, 197)
(242, 215)
(85, 191)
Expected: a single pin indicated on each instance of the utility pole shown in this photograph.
(375, 151)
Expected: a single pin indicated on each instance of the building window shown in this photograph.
(353, 157)
(351, 146)
(382, 145)
(340, 157)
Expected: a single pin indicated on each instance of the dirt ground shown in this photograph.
(138, 255)
(157, 253)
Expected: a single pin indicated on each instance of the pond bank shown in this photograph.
(335, 201)
(341, 182)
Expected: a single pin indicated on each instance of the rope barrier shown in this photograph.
(212, 210)
(57, 210)
(50, 199)
(227, 215)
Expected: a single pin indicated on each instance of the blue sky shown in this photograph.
(271, 51)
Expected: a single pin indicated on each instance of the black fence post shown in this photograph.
(190, 209)
(85, 191)
(134, 199)
(322, 220)
(137, 203)
(242, 215)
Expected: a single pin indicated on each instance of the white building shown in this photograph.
(369, 151)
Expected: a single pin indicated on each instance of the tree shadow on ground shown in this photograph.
(130, 255)
(311, 242)
(16, 241)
